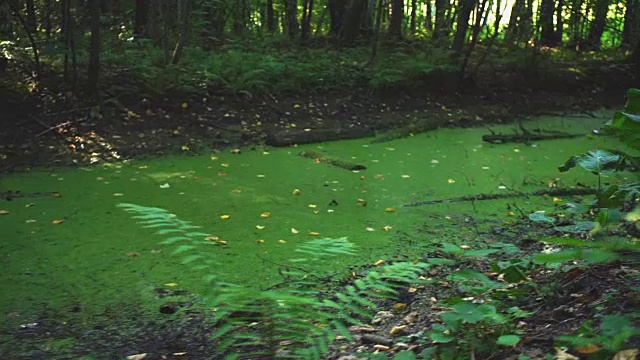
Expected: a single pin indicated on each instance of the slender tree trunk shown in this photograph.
(414, 15)
(631, 19)
(30, 16)
(184, 30)
(428, 23)
(464, 13)
(307, 10)
(47, 24)
(397, 15)
(636, 61)
(559, 22)
(574, 23)
(512, 34)
(351, 21)
(93, 73)
(547, 33)
(141, 26)
(442, 26)
(336, 14)
(597, 25)
(291, 16)
(271, 17)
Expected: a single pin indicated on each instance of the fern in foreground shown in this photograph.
(292, 323)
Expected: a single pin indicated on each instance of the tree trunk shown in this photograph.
(428, 23)
(464, 13)
(93, 73)
(291, 17)
(597, 25)
(512, 34)
(141, 26)
(636, 61)
(574, 23)
(307, 10)
(559, 22)
(47, 24)
(442, 26)
(397, 15)
(351, 21)
(271, 17)
(184, 30)
(336, 15)
(32, 23)
(631, 20)
(414, 15)
(547, 33)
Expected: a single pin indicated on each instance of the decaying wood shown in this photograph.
(290, 137)
(525, 138)
(547, 192)
(323, 158)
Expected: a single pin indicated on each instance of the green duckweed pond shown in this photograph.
(80, 252)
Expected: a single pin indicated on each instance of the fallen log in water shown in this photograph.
(548, 192)
(290, 137)
(320, 157)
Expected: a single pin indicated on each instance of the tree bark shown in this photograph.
(597, 25)
(32, 23)
(93, 73)
(184, 30)
(414, 15)
(631, 20)
(547, 33)
(559, 22)
(442, 26)
(307, 11)
(271, 18)
(636, 62)
(428, 23)
(397, 15)
(291, 16)
(351, 21)
(141, 25)
(574, 23)
(336, 15)
(464, 13)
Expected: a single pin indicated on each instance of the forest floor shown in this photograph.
(54, 130)
(68, 134)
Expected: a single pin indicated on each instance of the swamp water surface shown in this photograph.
(99, 257)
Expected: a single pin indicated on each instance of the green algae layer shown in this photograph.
(80, 252)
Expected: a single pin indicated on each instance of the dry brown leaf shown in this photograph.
(4, 212)
(629, 354)
(57, 221)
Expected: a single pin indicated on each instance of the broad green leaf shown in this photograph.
(558, 257)
(578, 227)
(440, 337)
(175, 239)
(508, 340)
(405, 355)
(539, 216)
(514, 274)
(480, 252)
(183, 248)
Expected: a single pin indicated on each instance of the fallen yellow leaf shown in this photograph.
(296, 192)
(281, 241)
(557, 200)
(171, 284)
(265, 214)
(260, 241)
(387, 228)
(184, 105)
(225, 217)
(390, 209)
(184, 147)
(57, 221)
(379, 262)
(400, 306)
(212, 238)
(4, 212)
(313, 206)
(260, 227)
(313, 233)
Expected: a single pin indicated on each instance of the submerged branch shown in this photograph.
(548, 192)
